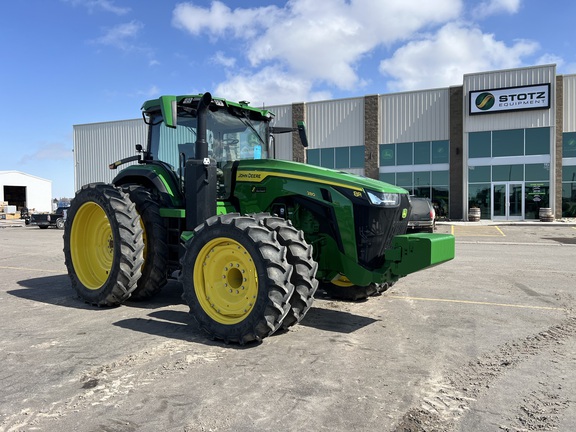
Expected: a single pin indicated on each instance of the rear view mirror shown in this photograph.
(302, 133)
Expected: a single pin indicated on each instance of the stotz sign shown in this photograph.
(510, 99)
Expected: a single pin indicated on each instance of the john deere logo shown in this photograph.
(485, 101)
(387, 154)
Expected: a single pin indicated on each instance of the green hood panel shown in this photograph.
(258, 170)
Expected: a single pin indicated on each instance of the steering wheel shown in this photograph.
(230, 141)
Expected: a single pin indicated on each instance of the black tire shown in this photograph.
(60, 223)
(154, 271)
(103, 245)
(236, 279)
(299, 254)
(43, 226)
(353, 292)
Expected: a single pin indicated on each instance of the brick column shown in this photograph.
(457, 154)
(558, 146)
(298, 114)
(371, 136)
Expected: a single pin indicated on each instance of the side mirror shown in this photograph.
(302, 133)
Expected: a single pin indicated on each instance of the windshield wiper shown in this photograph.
(246, 121)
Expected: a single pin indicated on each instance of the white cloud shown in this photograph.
(269, 86)
(48, 151)
(151, 92)
(221, 59)
(315, 41)
(441, 59)
(105, 5)
(121, 35)
(220, 18)
(285, 53)
(493, 7)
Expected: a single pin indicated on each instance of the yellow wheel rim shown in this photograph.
(92, 245)
(342, 281)
(225, 281)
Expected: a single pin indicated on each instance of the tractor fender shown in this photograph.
(153, 178)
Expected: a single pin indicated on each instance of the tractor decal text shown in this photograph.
(260, 176)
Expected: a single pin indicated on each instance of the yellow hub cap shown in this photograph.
(225, 281)
(92, 245)
(342, 281)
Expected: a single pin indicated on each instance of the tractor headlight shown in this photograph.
(383, 199)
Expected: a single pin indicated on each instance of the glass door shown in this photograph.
(507, 201)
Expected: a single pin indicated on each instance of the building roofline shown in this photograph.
(24, 174)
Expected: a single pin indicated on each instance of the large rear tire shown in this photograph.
(103, 245)
(154, 273)
(299, 254)
(236, 279)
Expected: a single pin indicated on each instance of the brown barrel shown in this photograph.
(474, 214)
(546, 214)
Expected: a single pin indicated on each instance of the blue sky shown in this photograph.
(67, 62)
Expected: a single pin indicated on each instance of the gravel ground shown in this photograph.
(486, 342)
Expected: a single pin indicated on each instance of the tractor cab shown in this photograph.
(234, 131)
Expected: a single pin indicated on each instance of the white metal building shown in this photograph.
(97, 145)
(24, 190)
(504, 141)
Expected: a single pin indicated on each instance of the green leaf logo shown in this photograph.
(485, 101)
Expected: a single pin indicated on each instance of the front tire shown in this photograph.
(299, 254)
(236, 279)
(103, 245)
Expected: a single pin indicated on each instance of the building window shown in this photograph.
(313, 156)
(404, 154)
(569, 144)
(479, 144)
(440, 152)
(538, 141)
(404, 179)
(342, 157)
(421, 152)
(388, 178)
(514, 142)
(357, 157)
(569, 191)
(414, 176)
(479, 196)
(337, 157)
(441, 178)
(537, 172)
(508, 143)
(327, 157)
(537, 195)
(421, 178)
(502, 173)
(479, 174)
(387, 154)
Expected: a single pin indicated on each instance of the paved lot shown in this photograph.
(485, 342)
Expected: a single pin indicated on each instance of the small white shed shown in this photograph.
(24, 190)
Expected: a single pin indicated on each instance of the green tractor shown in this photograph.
(251, 238)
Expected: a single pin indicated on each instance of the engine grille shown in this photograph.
(375, 229)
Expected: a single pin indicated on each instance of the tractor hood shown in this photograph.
(258, 170)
